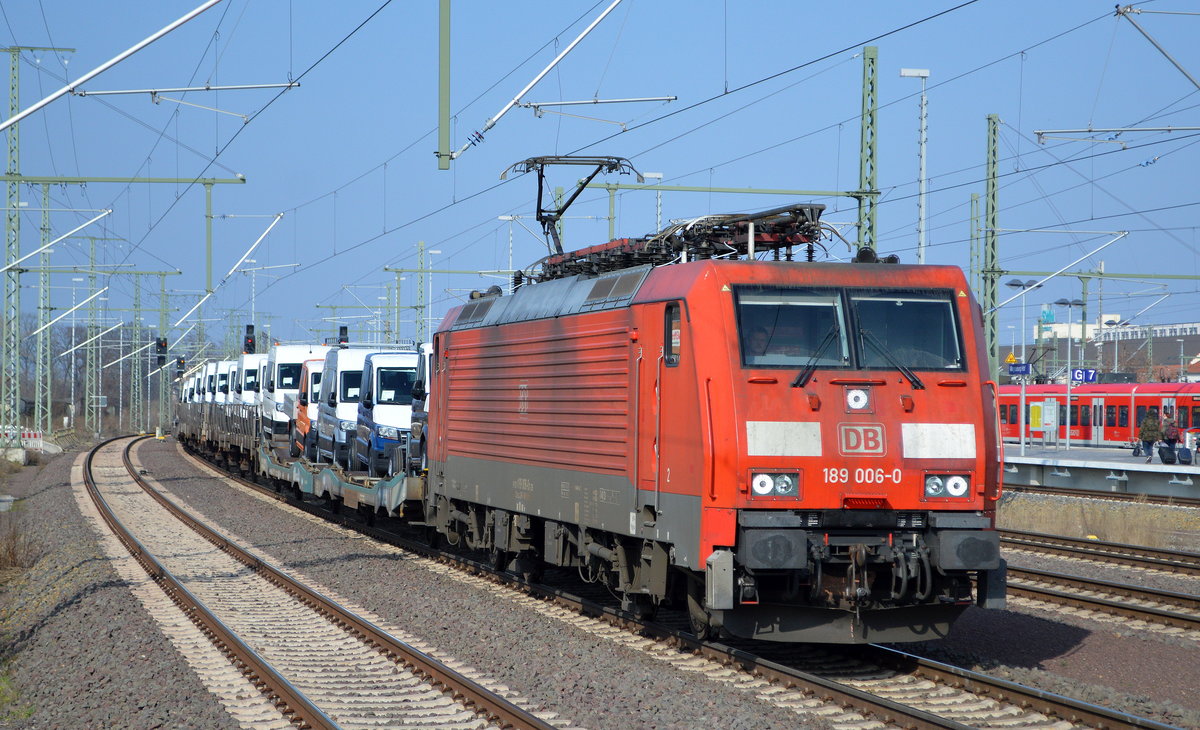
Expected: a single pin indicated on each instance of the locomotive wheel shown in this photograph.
(697, 616)
(529, 568)
(499, 559)
(640, 605)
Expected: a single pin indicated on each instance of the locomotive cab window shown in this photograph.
(791, 327)
(672, 334)
(916, 329)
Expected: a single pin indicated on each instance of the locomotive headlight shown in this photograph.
(785, 485)
(762, 484)
(934, 486)
(857, 399)
(775, 485)
(957, 486)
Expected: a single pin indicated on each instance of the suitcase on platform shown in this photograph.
(1184, 455)
(1166, 454)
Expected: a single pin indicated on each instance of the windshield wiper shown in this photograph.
(810, 367)
(887, 354)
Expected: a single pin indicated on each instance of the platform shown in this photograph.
(1099, 469)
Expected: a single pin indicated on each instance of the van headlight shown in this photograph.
(279, 407)
(947, 485)
(346, 425)
(776, 484)
(388, 432)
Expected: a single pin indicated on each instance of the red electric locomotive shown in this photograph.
(798, 451)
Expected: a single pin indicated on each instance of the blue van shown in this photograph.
(384, 410)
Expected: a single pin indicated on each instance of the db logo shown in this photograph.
(861, 439)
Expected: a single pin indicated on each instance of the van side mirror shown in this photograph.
(418, 390)
(270, 386)
(367, 402)
(303, 399)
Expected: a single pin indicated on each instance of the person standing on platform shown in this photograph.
(1150, 432)
(1171, 434)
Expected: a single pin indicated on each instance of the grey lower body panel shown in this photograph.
(598, 501)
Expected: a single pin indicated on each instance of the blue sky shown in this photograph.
(769, 95)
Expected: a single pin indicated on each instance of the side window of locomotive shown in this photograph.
(917, 329)
(673, 334)
(789, 327)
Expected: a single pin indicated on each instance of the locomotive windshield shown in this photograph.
(916, 329)
(786, 327)
(810, 327)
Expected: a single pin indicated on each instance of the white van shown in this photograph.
(248, 370)
(384, 410)
(209, 382)
(225, 373)
(282, 380)
(337, 415)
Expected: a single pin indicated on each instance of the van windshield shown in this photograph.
(289, 376)
(351, 383)
(395, 385)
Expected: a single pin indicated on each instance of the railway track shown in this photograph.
(1145, 558)
(321, 665)
(870, 682)
(1111, 496)
(1164, 608)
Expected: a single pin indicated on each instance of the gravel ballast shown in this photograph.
(591, 681)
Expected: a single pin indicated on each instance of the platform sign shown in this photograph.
(1020, 368)
(1083, 375)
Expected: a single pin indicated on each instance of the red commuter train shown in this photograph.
(1100, 414)
(797, 451)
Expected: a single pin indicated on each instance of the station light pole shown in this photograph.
(1024, 286)
(1181, 369)
(1070, 304)
(657, 201)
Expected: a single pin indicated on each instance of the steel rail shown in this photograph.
(889, 711)
(1111, 496)
(288, 700)
(1176, 561)
(498, 709)
(1190, 603)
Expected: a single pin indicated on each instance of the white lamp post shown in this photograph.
(657, 199)
(1024, 286)
(923, 74)
(432, 253)
(1070, 304)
